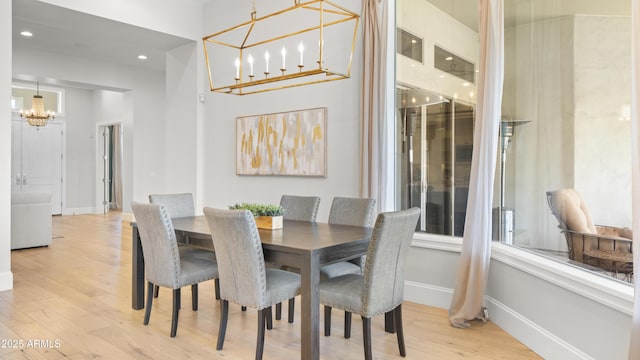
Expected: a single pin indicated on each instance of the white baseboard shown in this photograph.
(80, 211)
(529, 333)
(6, 280)
(533, 336)
(429, 295)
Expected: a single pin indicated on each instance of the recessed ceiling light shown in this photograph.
(413, 41)
(26, 33)
(449, 58)
(466, 84)
(142, 57)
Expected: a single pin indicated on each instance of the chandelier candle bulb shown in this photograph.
(250, 59)
(266, 60)
(237, 63)
(284, 58)
(301, 50)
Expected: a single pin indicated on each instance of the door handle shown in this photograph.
(24, 179)
(18, 179)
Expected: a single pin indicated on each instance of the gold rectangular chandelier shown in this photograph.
(308, 43)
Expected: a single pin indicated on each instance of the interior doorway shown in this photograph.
(110, 168)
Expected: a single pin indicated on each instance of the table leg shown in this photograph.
(137, 271)
(310, 309)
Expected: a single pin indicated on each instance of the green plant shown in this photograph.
(260, 209)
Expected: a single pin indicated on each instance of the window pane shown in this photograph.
(21, 98)
(567, 85)
(436, 111)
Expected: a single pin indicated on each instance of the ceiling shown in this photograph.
(64, 31)
(73, 33)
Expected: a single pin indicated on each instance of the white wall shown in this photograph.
(6, 277)
(80, 150)
(182, 119)
(221, 186)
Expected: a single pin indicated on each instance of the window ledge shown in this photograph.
(614, 294)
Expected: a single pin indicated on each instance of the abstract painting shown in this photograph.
(287, 143)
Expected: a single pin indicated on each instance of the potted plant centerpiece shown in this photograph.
(267, 216)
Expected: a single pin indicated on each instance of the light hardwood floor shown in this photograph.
(72, 300)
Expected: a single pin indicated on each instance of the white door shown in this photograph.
(37, 160)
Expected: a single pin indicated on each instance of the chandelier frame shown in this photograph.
(252, 86)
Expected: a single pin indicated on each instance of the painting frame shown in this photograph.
(288, 143)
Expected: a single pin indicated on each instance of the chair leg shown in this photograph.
(180, 302)
(224, 315)
(366, 336)
(347, 324)
(147, 310)
(327, 320)
(194, 297)
(176, 309)
(217, 285)
(268, 317)
(156, 291)
(278, 311)
(397, 318)
(262, 316)
(292, 307)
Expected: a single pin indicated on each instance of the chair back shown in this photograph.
(571, 211)
(301, 208)
(239, 254)
(384, 270)
(352, 211)
(158, 238)
(176, 205)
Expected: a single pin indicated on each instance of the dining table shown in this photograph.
(299, 244)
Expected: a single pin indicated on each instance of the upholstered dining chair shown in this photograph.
(354, 212)
(177, 205)
(162, 261)
(301, 208)
(380, 288)
(181, 205)
(244, 278)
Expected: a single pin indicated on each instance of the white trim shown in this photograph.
(613, 294)
(535, 337)
(437, 242)
(426, 294)
(6, 280)
(80, 211)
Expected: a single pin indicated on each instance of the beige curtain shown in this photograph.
(473, 268)
(116, 183)
(374, 181)
(634, 349)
